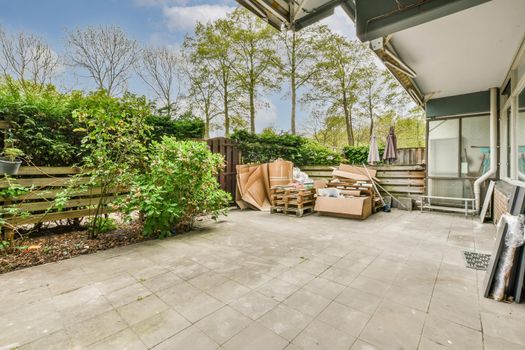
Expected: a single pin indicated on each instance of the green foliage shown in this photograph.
(180, 184)
(358, 154)
(186, 126)
(12, 153)
(114, 143)
(41, 122)
(103, 224)
(269, 146)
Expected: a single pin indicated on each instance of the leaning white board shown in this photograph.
(486, 203)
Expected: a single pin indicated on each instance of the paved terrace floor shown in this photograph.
(261, 281)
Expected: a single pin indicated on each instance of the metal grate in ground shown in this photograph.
(476, 261)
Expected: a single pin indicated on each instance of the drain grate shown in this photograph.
(477, 261)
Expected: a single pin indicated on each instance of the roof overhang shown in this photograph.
(434, 48)
(296, 14)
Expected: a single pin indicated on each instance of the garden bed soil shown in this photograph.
(53, 246)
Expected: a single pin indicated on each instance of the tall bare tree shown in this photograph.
(27, 57)
(105, 53)
(159, 69)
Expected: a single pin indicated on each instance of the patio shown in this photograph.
(251, 281)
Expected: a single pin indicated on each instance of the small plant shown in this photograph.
(103, 224)
(13, 154)
(10, 160)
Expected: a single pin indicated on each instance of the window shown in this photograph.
(443, 148)
(475, 146)
(520, 136)
(458, 153)
(508, 128)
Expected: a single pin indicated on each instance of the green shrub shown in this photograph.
(41, 122)
(358, 154)
(114, 144)
(268, 146)
(180, 184)
(186, 126)
(103, 225)
(45, 129)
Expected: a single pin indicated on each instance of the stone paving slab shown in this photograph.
(260, 281)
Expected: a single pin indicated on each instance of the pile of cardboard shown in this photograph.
(351, 195)
(254, 182)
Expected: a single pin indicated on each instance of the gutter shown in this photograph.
(493, 147)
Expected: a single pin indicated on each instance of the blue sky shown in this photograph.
(154, 22)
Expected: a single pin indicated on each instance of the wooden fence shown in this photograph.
(232, 156)
(37, 205)
(411, 156)
(402, 180)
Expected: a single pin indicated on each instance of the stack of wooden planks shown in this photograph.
(291, 200)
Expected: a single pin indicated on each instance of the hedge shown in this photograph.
(269, 146)
(43, 125)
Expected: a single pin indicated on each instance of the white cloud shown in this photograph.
(340, 23)
(184, 18)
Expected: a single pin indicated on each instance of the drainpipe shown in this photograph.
(493, 147)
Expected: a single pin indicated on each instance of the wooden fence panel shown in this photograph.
(402, 180)
(232, 157)
(47, 183)
(410, 156)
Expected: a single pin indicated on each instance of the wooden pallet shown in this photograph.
(298, 202)
(297, 210)
(292, 196)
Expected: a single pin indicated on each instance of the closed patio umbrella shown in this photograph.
(390, 154)
(373, 151)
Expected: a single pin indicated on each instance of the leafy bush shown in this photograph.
(114, 144)
(41, 122)
(358, 154)
(180, 184)
(268, 146)
(186, 126)
(44, 128)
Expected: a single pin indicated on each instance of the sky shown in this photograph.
(152, 22)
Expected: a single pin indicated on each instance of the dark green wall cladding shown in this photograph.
(473, 103)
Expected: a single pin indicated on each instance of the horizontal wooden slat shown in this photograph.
(52, 193)
(403, 189)
(401, 174)
(45, 182)
(70, 214)
(411, 182)
(48, 170)
(318, 167)
(80, 202)
(398, 167)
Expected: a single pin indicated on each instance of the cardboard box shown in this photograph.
(351, 207)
